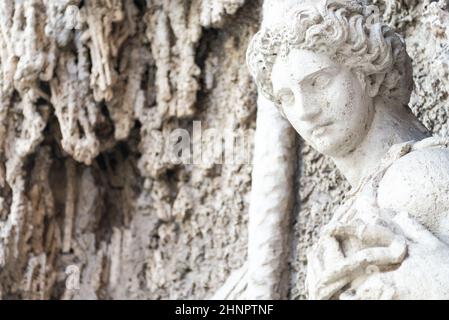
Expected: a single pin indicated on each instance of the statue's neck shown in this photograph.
(391, 125)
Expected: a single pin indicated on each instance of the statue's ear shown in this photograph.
(371, 84)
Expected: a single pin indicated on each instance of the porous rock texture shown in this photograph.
(88, 91)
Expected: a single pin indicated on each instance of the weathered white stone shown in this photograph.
(343, 80)
(83, 187)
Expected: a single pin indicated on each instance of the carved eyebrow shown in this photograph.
(330, 69)
(313, 74)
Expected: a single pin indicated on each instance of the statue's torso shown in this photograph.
(413, 177)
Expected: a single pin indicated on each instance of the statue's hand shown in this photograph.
(330, 270)
(424, 274)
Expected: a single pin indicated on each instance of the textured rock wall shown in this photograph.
(87, 185)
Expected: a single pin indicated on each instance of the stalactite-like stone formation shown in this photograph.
(85, 89)
(85, 86)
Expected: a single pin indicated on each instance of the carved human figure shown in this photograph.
(343, 80)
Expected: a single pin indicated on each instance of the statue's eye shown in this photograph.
(286, 97)
(321, 81)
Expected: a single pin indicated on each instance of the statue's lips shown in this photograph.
(321, 128)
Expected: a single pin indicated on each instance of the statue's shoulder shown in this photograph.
(417, 182)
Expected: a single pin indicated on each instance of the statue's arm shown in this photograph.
(418, 183)
(424, 273)
(415, 187)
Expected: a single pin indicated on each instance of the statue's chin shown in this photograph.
(331, 149)
(336, 147)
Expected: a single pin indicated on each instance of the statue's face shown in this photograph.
(324, 101)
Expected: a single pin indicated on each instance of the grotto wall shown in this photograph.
(93, 206)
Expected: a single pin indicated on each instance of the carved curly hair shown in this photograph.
(348, 33)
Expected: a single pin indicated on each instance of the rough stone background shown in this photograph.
(87, 88)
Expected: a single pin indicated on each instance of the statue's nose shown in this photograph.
(308, 110)
(307, 106)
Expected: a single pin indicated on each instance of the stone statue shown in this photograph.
(343, 80)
